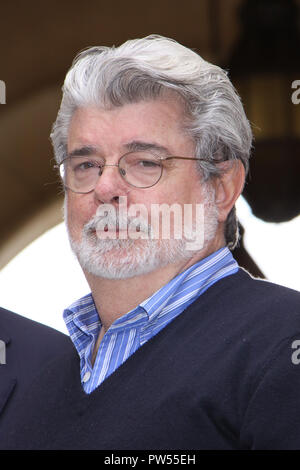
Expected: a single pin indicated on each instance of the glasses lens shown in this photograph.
(80, 174)
(140, 169)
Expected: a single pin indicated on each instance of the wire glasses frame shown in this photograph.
(139, 169)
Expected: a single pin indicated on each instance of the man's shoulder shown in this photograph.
(265, 294)
(245, 289)
(260, 283)
(29, 347)
(248, 308)
(16, 326)
(29, 344)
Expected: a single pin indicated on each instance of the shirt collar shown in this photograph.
(203, 270)
(82, 318)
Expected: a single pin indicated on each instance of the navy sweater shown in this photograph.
(222, 375)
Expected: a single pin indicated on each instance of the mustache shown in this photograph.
(117, 221)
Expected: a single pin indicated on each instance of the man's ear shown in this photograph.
(228, 187)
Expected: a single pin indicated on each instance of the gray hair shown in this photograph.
(143, 69)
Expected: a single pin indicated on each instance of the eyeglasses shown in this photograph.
(139, 169)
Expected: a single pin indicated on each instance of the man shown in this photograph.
(26, 347)
(177, 347)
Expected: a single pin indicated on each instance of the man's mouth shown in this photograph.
(117, 229)
(124, 229)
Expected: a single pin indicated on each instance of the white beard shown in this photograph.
(125, 258)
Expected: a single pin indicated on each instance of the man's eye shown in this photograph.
(84, 166)
(149, 164)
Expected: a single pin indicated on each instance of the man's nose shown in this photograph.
(110, 184)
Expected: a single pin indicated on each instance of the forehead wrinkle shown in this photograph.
(134, 146)
(138, 145)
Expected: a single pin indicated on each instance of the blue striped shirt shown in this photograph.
(136, 327)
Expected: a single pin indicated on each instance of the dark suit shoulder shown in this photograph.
(15, 325)
(29, 347)
(30, 343)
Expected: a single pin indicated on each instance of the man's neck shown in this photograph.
(116, 297)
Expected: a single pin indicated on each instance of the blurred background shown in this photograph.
(257, 41)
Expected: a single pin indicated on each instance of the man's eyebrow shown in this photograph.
(83, 151)
(134, 146)
(138, 146)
